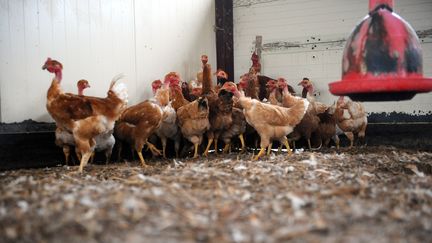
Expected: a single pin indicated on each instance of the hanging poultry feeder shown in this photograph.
(382, 60)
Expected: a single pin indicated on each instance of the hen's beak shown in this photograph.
(44, 67)
(301, 83)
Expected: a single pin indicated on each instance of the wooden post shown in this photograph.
(224, 37)
(258, 49)
(258, 45)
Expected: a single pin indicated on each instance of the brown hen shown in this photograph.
(85, 117)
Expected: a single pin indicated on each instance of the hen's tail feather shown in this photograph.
(115, 79)
(119, 88)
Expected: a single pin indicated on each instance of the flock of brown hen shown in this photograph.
(258, 108)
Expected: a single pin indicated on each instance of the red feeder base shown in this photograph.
(378, 89)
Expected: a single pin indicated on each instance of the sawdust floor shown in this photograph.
(374, 194)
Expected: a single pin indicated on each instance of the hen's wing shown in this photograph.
(267, 114)
(68, 106)
(143, 111)
(192, 110)
(185, 112)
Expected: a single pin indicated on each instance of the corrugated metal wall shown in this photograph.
(306, 39)
(95, 40)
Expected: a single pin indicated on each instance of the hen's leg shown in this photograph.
(108, 153)
(84, 146)
(261, 152)
(119, 149)
(143, 163)
(269, 149)
(210, 141)
(164, 142)
(132, 152)
(362, 134)
(66, 151)
(264, 144)
(84, 160)
(196, 151)
(177, 146)
(350, 136)
(138, 147)
(243, 146)
(153, 148)
(78, 154)
(216, 145)
(226, 148)
(285, 142)
(256, 143)
(362, 141)
(92, 157)
(336, 140)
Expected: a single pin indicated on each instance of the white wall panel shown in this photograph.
(327, 23)
(95, 40)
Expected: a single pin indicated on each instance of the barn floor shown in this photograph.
(375, 194)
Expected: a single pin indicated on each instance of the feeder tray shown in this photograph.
(382, 59)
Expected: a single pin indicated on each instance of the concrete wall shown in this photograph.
(306, 39)
(95, 40)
